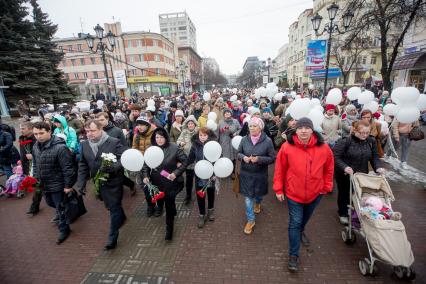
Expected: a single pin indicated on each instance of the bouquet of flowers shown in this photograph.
(202, 193)
(27, 148)
(155, 193)
(108, 159)
(28, 184)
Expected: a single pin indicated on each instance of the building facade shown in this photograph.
(299, 34)
(192, 77)
(148, 60)
(178, 28)
(279, 68)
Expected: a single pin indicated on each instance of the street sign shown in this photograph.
(120, 79)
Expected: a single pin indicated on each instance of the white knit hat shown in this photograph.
(179, 113)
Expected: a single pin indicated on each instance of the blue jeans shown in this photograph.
(54, 200)
(250, 207)
(299, 215)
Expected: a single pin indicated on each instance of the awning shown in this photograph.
(409, 61)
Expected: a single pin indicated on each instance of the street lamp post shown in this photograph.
(182, 69)
(101, 47)
(331, 28)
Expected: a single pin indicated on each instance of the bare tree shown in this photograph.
(213, 77)
(390, 20)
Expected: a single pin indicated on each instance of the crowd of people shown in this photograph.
(64, 150)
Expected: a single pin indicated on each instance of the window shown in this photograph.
(373, 60)
(129, 43)
(70, 48)
(92, 60)
(157, 71)
(138, 43)
(143, 73)
(85, 75)
(95, 75)
(81, 61)
(364, 59)
(75, 75)
(182, 28)
(140, 57)
(182, 37)
(61, 48)
(157, 57)
(155, 42)
(73, 62)
(131, 59)
(164, 30)
(79, 47)
(133, 71)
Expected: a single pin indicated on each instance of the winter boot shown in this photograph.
(169, 228)
(201, 221)
(210, 214)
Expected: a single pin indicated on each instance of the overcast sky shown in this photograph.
(227, 30)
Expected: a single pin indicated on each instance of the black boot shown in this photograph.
(33, 209)
(149, 211)
(110, 245)
(158, 211)
(62, 237)
(169, 228)
(35, 206)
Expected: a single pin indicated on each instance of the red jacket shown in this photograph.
(302, 172)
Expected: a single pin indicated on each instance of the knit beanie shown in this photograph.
(304, 122)
(330, 107)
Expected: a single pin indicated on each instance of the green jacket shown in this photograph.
(69, 132)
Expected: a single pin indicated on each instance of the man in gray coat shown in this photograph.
(111, 191)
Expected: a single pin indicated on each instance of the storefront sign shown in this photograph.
(152, 79)
(320, 74)
(96, 81)
(316, 55)
(120, 79)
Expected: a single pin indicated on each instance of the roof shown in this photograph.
(414, 60)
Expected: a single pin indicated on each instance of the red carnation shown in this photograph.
(201, 193)
(160, 195)
(27, 184)
(153, 200)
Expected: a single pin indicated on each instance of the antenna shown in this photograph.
(81, 24)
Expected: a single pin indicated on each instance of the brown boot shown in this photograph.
(257, 208)
(248, 229)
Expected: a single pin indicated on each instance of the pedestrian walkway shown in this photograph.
(219, 253)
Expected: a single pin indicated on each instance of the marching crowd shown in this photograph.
(62, 151)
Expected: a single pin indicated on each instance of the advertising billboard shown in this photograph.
(316, 55)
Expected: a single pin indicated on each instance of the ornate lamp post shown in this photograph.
(330, 28)
(182, 68)
(101, 46)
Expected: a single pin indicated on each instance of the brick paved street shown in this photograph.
(219, 253)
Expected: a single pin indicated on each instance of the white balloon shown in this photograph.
(316, 116)
(299, 108)
(320, 108)
(334, 96)
(203, 169)
(154, 156)
(150, 103)
(405, 96)
(408, 114)
(293, 94)
(212, 116)
(223, 167)
(390, 109)
(100, 104)
(373, 106)
(278, 97)
(236, 141)
(315, 102)
(271, 85)
(233, 98)
(298, 97)
(365, 97)
(206, 96)
(211, 124)
(353, 93)
(385, 127)
(421, 102)
(311, 86)
(132, 160)
(212, 151)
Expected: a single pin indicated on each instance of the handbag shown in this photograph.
(73, 207)
(236, 181)
(416, 134)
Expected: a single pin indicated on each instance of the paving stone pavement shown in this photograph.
(218, 253)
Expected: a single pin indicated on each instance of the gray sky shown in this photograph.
(227, 30)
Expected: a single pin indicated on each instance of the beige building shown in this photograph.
(148, 60)
(279, 68)
(299, 33)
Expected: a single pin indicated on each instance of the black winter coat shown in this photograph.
(112, 190)
(115, 132)
(197, 154)
(355, 153)
(254, 177)
(172, 156)
(26, 149)
(6, 144)
(53, 165)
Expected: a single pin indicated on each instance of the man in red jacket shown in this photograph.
(303, 181)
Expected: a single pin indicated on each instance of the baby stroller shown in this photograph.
(386, 239)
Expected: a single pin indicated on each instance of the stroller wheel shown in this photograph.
(363, 267)
(349, 240)
(399, 272)
(375, 270)
(410, 274)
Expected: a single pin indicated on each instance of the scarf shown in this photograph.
(255, 139)
(94, 145)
